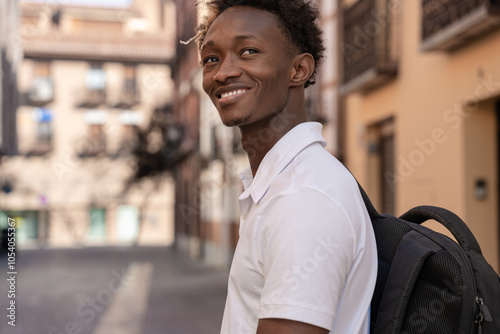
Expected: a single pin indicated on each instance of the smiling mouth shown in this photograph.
(232, 93)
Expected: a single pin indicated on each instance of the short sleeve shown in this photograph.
(307, 247)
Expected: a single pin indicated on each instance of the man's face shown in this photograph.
(247, 65)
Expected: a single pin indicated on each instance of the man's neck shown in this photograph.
(259, 137)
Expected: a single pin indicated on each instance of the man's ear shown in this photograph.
(303, 68)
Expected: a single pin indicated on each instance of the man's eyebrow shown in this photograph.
(238, 38)
(243, 37)
(209, 43)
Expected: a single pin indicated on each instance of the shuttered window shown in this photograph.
(387, 161)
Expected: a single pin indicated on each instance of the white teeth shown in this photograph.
(240, 91)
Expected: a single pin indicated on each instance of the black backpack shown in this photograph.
(427, 283)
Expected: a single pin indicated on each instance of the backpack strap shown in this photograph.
(369, 206)
(411, 254)
(449, 220)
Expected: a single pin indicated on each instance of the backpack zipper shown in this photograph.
(484, 314)
(483, 309)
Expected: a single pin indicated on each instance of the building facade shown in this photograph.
(89, 80)
(186, 113)
(323, 99)
(421, 91)
(208, 186)
(408, 97)
(10, 57)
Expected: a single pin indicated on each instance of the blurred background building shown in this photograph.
(90, 79)
(10, 57)
(421, 89)
(208, 186)
(408, 96)
(208, 183)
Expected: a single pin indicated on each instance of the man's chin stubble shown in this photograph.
(237, 121)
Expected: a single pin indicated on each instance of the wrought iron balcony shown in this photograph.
(128, 99)
(450, 24)
(92, 98)
(368, 49)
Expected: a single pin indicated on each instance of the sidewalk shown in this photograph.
(114, 291)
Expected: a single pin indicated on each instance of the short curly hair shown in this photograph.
(299, 18)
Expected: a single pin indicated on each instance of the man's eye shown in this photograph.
(210, 60)
(248, 52)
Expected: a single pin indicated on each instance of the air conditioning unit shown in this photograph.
(42, 90)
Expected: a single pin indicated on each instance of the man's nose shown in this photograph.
(228, 69)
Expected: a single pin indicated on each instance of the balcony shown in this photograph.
(95, 87)
(41, 92)
(42, 142)
(93, 98)
(449, 24)
(369, 46)
(128, 99)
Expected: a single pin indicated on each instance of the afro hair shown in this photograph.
(299, 18)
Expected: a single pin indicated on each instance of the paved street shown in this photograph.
(112, 291)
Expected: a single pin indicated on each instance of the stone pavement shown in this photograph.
(126, 313)
(113, 290)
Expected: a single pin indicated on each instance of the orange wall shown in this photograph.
(441, 146)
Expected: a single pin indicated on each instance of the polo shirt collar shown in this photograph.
(280, 155)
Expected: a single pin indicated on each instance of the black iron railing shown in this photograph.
(358, 48)
(439, 14)
(367, 40)
(449, 24)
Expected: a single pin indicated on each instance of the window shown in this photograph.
(381, 165)
(129, 136)
(96, 83)
(130, 82)
(44, 134)
(95, 141)
(27, 224)
(97, 228)
(42, 90)
(130, 93)
(388, 183)
(43, 140)
(130, 121)
(127, 223)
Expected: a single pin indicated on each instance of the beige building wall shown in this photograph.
(443, 110)
(61, 185)
(72, 184)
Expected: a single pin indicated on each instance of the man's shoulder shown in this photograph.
(316, 168)
(315, 172)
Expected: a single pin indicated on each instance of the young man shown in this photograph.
(306, 256)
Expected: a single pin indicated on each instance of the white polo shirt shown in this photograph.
(306, 250)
